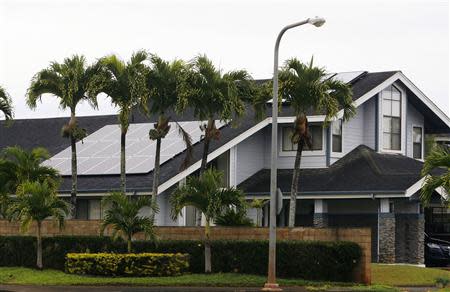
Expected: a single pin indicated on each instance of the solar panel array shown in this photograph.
(99, 153)
(347, 77)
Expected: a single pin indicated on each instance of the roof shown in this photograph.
(31, 133)
(361, 171)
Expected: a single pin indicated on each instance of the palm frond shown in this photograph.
(6, 104)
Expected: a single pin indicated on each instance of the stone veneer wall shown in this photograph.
(320, 220)
(386, 240)
(361, 236)
(409, 238)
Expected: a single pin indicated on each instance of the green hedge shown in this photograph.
(309, 260)
(113, 264)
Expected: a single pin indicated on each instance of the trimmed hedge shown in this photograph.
(113, 264)
(309, 260)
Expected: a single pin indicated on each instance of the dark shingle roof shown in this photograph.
(46, 132)
(362, 170)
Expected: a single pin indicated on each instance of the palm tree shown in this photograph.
(124, 83)
(163, 83)
(35, 202)
(123, 215)
(5, 104)
(258, 204)
(436, 171)
(68, 81)
(305, 88)
(18, 165)
(214, 95)
(206, 194)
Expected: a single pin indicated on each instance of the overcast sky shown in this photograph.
(411, 36)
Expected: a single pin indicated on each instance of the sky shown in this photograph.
(411, 36)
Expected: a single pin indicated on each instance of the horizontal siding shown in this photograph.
(250, 156)
(369, 109)
(353, 131)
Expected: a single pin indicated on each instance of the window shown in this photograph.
(417, 142)
(316, 136)
(391, 98)
(336, 132)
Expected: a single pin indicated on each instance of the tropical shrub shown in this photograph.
(131, 264)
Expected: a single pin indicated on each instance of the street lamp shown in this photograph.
(271, 284)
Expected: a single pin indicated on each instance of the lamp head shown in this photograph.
(316, 21)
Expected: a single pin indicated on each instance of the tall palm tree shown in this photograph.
(18, 165)
(213, 95)
(305, 88)
(123, 215)
(124, 83)
(5, 104)
(163, 84)
(207, 195)
(68, 81)
(37, 201)
(436, 171)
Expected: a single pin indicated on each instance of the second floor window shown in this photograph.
(391, 101)
(316, 133)
(417, 142)
(336, 132)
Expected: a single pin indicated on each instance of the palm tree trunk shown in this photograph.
(123, 178)
(73, 146)
(294, 185)
(39, 247)
(206, 142)
(207, 248)
(156, 172)
(129, 244)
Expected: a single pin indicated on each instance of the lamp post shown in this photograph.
(271, 284)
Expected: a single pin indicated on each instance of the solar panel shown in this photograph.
(348, 77)
(99, 153)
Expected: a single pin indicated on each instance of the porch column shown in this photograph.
(386, 232)
(416, 238)
(320, 219)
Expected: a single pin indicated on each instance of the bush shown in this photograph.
(113, 264)
(309, 260)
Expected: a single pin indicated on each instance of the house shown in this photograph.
(364, 172)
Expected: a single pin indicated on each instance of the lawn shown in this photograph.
(404, 275)
(26, 276)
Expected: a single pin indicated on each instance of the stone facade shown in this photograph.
(409, 235)
(386, 238)
(320, 220)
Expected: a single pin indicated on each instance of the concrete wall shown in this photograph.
(361, 236)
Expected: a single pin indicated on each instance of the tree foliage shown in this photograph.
(436, 171)
(122, 214)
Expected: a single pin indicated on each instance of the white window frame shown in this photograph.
(412, 141)
(403, 113)
(281, 152)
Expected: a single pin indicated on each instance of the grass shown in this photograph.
(26, 276)
(404, 275)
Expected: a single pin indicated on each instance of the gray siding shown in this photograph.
(353, 131)
(250, 155)
(369, 109)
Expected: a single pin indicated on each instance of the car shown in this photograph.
(437, 252)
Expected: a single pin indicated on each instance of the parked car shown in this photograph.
(437, 252)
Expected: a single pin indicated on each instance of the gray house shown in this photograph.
(361, 173)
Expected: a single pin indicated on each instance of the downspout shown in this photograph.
(377, 130)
